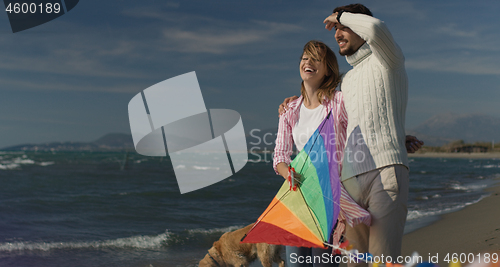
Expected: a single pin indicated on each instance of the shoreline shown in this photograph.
(473, 229)
(492, 155)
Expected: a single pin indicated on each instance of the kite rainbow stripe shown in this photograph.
(305, 217)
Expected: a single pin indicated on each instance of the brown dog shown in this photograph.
(228, 252)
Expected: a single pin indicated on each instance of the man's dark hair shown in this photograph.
(354, 8)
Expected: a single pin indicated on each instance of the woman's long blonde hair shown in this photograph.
(318, 50)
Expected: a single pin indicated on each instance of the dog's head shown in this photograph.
(213, 257)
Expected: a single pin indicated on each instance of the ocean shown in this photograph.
(112, 209)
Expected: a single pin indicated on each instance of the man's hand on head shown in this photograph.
(331, 21)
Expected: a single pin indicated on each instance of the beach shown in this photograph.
(62, 208)
(491, 155)
(474, 229)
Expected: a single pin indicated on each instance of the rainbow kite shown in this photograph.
(305, 217)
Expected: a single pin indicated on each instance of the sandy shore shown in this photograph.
(456, 155)
(474, 229)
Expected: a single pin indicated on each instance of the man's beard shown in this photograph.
(347, 52)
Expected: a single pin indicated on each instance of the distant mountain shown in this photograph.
(468, 127)
(258, 140)
(436, 131)
(430, 140)
(109, 142)
(115, 140)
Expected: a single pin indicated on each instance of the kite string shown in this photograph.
(311, 190)
(317, 192)
(354, 252)
(312, 216)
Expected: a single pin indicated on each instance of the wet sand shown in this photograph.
(474, 229)
(494, 155)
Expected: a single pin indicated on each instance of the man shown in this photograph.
(375, 94)
(375, 165)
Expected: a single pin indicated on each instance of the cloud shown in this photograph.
(399, 8)
(50, 84)
(85, 54)
(210, 34)
(464, 64)
(38, 120)
(468, 49)
(454, 31)
(138, 46)
(216, 40)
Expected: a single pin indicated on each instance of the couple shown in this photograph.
(369, 115)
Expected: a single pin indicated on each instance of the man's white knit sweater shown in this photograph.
(375, 94)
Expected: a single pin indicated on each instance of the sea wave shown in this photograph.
(23, 160)
(469, 187)
(205, 168)
(134, 242)
(214, 230)
(9, 166)
(489, 166)
(46, 163)
(415, 214)
(15, 163)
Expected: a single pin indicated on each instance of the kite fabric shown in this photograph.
(305, 217)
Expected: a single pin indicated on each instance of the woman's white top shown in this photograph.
(309, 121)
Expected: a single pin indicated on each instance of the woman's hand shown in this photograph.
(293, 179)
(285, 171)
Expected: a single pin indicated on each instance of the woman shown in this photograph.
(320, 76)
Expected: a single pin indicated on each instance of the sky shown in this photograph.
(71, 79)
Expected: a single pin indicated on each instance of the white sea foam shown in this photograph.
(468, 187)
(46, 163)
(134, 242)
(491, 166)
(214, 230)
(23, 160)
(488, 166)
(415, 214)
(205, 168)
(9, 166)
(16, 163)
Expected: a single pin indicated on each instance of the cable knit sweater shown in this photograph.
(375, 94)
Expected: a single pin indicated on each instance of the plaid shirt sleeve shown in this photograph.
(340, 126)
(284, 141)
